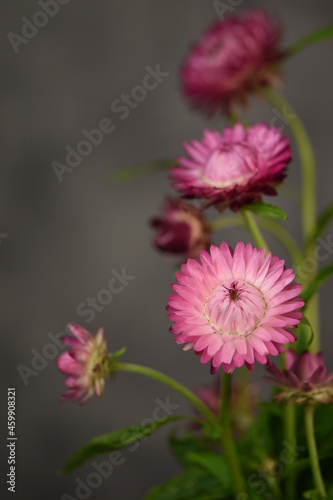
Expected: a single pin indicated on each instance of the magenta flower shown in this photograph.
(233, 58)
(182, 229)
(305, 379)
(85, 364)
(235, 307)
(235, 167)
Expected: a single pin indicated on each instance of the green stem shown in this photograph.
(308, 200)
(269, 225)
(252, 226)
(233, 118)
(307, 160)
(289, 416)
(315, 37)
(165, 379)
(313, 454)
(227, 441)
(284, 237)
(226, 222)
(290, 435)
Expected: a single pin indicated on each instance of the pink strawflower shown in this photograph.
(85, 363)
(235, 307)
(233, 58)
(182, 229)
(234, 167)
(304, 380)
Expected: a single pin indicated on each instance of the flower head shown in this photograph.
(304, 380)
(85, 364)
(234, 167)
(234, 307)
(182, 229)
(234, 57)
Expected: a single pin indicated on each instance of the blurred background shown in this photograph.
(65, 238)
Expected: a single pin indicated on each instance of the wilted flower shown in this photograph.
(235, 167)
(182, 229)
(304, 380)
(234, 307)
(85, 364)
(234, 58)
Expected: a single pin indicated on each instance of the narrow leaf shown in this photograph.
(127, 174)
(266, 210)
(315, 37)
(115, 441)
(317, 281)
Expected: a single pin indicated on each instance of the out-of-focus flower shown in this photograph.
(86, 364)
(235, 167)
(304, 380)
(181, 229)
(233, 58)
(234, 307)
(243, 407)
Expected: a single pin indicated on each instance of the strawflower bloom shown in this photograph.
(304, 380)
(181, 229)
(85, 364)
(234, 307)
(233, 168)
(234, 58)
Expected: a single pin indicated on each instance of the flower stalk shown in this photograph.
(308, 199)
(313, 453)
(269, 225)
(252, 226)
(116, 366)
(227, 441)
(290, 435)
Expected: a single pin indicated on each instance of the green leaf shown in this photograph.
(192, 484)
(127, 174)
(115, 440)
(266, 210)
(323, 220)
(214, 464)
(316, 282)
(315, 37)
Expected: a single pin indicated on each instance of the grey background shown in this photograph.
(65, 238)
